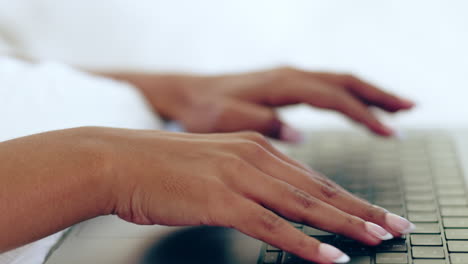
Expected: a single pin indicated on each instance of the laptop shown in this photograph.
(420, 177)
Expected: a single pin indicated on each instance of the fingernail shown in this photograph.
(377, 231)
(407, 103)
(387, 130)
(332, 254)
(290, 134)
(399, 224)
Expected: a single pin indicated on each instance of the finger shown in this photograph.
(357, 111)
(300, 206)
(258, 222)
(323, 95)
(239, 115)
(264, 142)
(367, 92)
(331, 193)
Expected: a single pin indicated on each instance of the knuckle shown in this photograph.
(256, 137)
(304, 199)
(339, 102)
(349, 78)
(252, 149)
(285, 70)
(328, 188)
(329, 192)
(271, 222)
(232, 163)
(283, 74)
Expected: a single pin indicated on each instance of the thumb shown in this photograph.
(240, 115)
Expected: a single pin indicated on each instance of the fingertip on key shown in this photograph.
(332, 254)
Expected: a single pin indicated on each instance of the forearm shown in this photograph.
(49, 182)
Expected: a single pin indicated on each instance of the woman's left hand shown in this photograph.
(246, 101)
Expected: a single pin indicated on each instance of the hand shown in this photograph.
(245, 101)
(52, 180)
(235, 180)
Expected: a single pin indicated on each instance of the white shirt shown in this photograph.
(49, 96)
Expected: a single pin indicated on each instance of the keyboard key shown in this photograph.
(388, 201)
(459, 258)
(456, 234)
(422, 217)
(420, 196)
(457, 246)
(451, 201)
(418, 188)
(388, 194)
(409, 170)
(391, 258)
(360, 260)
(446, 192)
(454, 211)
(421, 206)
(429, 261)
(297, 225)
(426, 240)
(422, 174)
(427, 228)
(455, 222)
(315, 232)
(418, 175)
(354, 248)
(386, 185)
(410, 180)
(272, 248)
(271, 257)
(444, 182)
(446, 174)
(394, 245)
(398, 210)
(289, 258)
(428, 252)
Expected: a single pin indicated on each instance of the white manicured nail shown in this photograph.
(290, 134)
(332, 254)
(399, 224)
(377, 231)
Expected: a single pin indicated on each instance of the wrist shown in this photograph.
(95, 153)
(169, 95)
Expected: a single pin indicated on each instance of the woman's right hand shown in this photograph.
(235, 180)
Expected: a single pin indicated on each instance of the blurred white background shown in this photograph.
(415, 48)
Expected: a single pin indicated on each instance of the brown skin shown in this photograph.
(149, 177)
(228, 103)
(155, 177)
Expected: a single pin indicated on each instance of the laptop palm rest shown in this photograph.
(207, 245)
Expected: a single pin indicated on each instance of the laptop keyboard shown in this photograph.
(418, 178)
